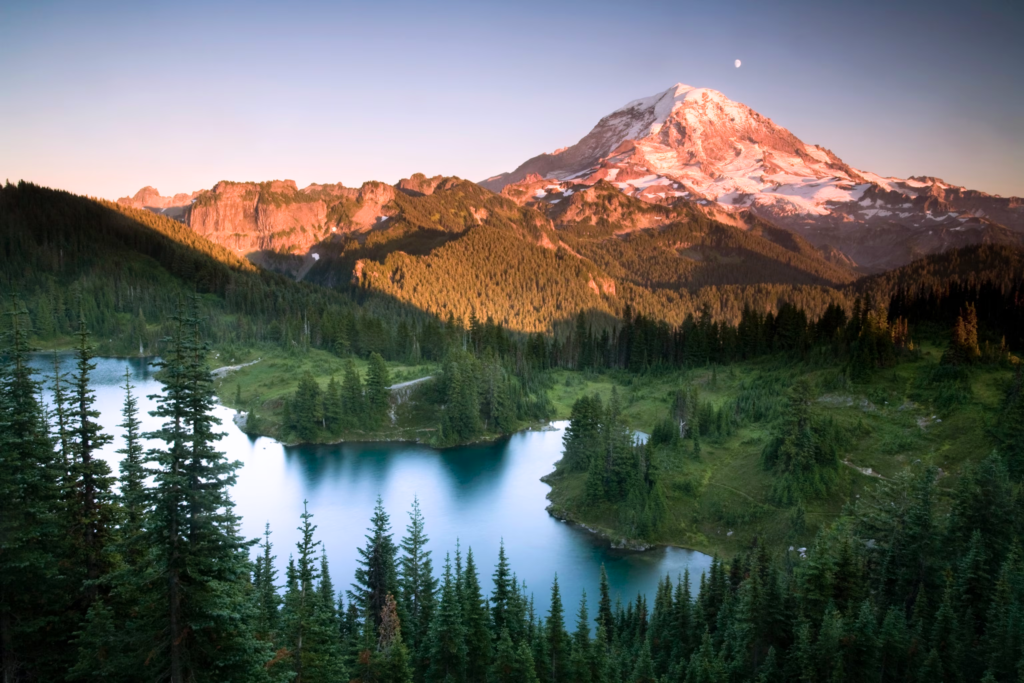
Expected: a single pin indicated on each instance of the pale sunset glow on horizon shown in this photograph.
(104, 99)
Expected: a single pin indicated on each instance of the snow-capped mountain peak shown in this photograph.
(695, 144)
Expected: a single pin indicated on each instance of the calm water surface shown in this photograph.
(474, 495)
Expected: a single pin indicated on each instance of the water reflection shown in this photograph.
(474, 495)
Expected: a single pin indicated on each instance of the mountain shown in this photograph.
(696, 145)
(451, 247)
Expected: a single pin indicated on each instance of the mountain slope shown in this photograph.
(447, 246)
(695, 144)
(125, 270)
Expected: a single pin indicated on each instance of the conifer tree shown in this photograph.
(893, 646)
(30, 525)
(301, 598)
(803, 454)
(770, 672)
(60, 415)
(963, 347)
(97, 654)
(132, 493)
(681, 623)
(503, 668)
(305, 410)
(476, 620)
(353, 404)
(324, 654)
(264, 580)
(555, 637)
(461, 419)
(704, 666)
(417, 584)
(377, 574)
(605, 619)
(503, 593)
(580, 657)
(600, 663)
(332, 407)
(447, 644)
(93, 505)
(390, 663)
(643, 671)
(193, 620)
(861, 645)
(378, 392)
(527, 667)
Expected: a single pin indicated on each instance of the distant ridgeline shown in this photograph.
(489, 271)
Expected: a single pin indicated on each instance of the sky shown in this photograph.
(103, 98)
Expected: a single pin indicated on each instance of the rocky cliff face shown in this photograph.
(696, 145)
(274, 216)
(277, 216)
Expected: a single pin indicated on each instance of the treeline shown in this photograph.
(313, 413)
(866, 338)
(148, 579)
(478, 394)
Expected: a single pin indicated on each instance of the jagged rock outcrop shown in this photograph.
(419, 185)
(150, 198)
(276, 216)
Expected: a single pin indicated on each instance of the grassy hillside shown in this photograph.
(270, 376)
(720, 500)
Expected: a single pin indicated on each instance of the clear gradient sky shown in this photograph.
(102, 98)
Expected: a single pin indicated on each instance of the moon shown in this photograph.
(738, 63)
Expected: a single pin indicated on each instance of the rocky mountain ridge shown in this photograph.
(276, 216)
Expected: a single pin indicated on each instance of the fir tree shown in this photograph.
(31, 474)
(305, 410)
(353, 405)
(264, 580)
(333, 411)
(378, 392)
(605, 620)
(377, 575)
(194, 616)
(503, 593)
(555, 637)
(643, 671)
(476, 620)
(503, 668)
(447, 644)
(132, 494)
(61, 415)
(301, 598)
(93, 505)
(417, 584)
(323, 652)
(580, 659)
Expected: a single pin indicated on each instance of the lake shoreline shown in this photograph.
(390, 438)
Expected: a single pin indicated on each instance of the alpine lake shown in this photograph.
(474, 496)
